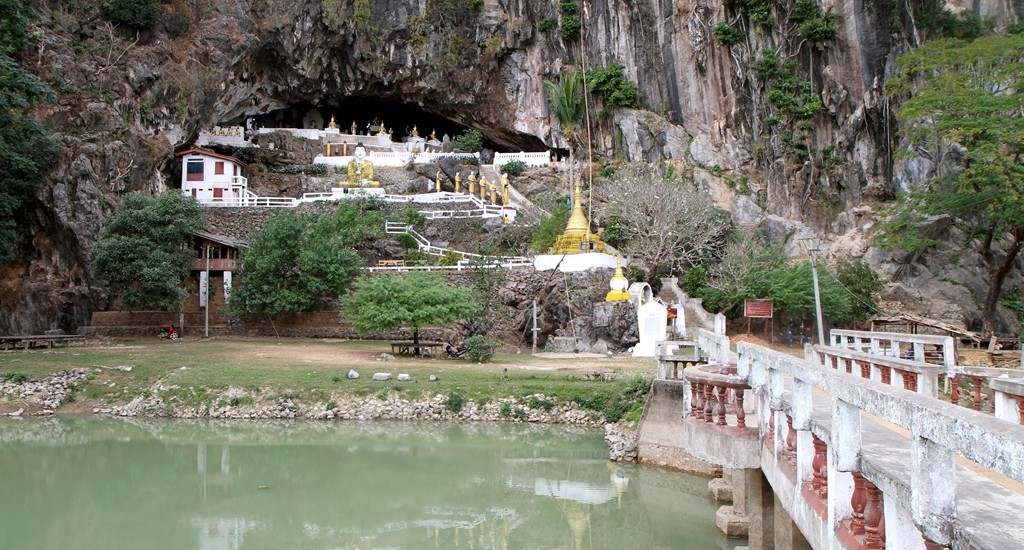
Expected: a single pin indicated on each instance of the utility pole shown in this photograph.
(206, 297)
(817, 295)
(535, 329)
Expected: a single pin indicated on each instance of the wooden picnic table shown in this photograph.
(422, 348)
(40, 340)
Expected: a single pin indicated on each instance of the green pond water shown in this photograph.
(140, 484)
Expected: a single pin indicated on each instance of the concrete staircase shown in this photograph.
(696, 317)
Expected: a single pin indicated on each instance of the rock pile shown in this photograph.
(48, 393)
(622, 443)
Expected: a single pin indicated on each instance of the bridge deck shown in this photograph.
(989, 505)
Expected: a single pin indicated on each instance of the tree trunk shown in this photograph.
(998, 273)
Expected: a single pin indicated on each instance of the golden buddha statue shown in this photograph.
(360, 170)
(332, 123)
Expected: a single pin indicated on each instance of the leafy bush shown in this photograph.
(137, 14)
(728, 34)
(571, 25)
(455, 402)
(612, 85)
(475, 5)
(547, 24)
(571, 28)
(514, 168)
(549, 229)
(470, 141)
(480, 349)
(819, 29)
(505, 410)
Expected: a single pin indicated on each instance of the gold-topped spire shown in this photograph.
(618, 284)
(577, 237)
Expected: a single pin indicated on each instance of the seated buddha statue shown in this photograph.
(360, 170)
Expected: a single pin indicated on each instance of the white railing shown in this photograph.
(921, 479)
(394, 159)
(940, 350)
(533, 160)
(716, 346)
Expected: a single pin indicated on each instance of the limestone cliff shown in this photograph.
(128, 100)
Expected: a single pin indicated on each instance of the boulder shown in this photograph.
(382, 376)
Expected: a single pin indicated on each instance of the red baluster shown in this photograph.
(886, 374)
(721, 406)
(1020, 411)
(819, 474)
(694, 409)
(770, 436)
(790, 435)
(954, 395)
(858, 501)
(909, 380)
(865, 369)
(709, 403)
(874, 518)
(740, 414)
(849, 365)
(977, 392)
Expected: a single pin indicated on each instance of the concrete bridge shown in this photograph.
(849, 446)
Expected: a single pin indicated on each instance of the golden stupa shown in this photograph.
(618, 284)
(577, 237)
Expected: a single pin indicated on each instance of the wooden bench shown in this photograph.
(40, 341)
(390, 263)
(432, 349)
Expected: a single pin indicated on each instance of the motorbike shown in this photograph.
(166, 333)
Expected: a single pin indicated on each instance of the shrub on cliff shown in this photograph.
(137, 14)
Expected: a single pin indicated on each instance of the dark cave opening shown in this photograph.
(400, 118)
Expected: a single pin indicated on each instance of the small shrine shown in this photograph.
(618, 285)
(577, 237)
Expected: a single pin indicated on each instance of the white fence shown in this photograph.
(395, 159)
(533, 160)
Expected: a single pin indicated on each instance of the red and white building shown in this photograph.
(212, 178)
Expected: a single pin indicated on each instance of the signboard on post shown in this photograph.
(759, 309)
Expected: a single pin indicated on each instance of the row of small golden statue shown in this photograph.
(353, 130)
(484, 186)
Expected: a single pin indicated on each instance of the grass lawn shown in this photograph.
(198, 371)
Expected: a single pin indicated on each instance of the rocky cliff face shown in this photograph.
(128, 100)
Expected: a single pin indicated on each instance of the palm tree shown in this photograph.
(566, 99)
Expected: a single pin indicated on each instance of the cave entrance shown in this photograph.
(401, 118)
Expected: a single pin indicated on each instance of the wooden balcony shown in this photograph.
(216, 264)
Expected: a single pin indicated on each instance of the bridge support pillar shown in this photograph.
(786, 535)
(752, 513)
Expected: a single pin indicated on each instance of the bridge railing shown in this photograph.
(716, 346)
(914, 376)
(930, 348)
(531, 159)
(1008, 398)
(715, 391)
(832, 462)
(672, 364)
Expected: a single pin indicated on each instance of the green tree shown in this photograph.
(549, 229)
(296, 260)
(861, 284)
(566, 100)
(27, 149)
(414, 300)
(144, 251)
(470, 141)
(741, 273)
(962, 111)
(791, 289)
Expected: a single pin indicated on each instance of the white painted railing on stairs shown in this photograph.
(468, 260)
(532, 160)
